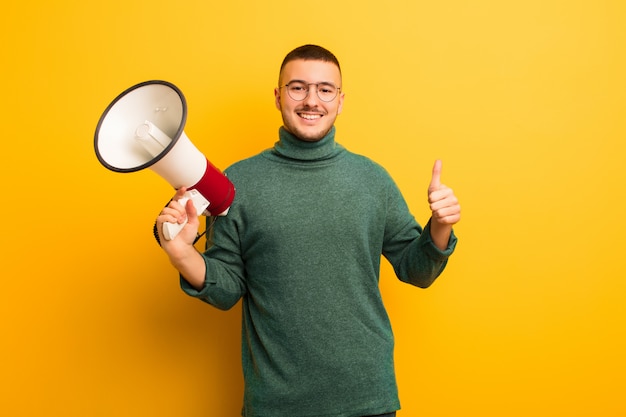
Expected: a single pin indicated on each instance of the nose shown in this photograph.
(312, 99)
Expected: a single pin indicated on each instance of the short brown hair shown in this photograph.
(310, 53)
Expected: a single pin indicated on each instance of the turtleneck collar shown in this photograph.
(291, 147)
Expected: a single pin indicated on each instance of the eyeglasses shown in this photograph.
(299, 90)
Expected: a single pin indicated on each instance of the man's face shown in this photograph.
(309, 119)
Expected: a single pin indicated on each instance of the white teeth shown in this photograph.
(310, 116)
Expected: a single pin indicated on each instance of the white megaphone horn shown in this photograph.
(143, 128)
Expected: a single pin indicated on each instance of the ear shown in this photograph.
(277, 98)
(340, 105)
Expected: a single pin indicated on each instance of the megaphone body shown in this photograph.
(142, 128)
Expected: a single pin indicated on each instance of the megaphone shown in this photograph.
(143, 128)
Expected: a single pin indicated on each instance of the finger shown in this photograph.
(443, 204)
(435, 180)
(449, 220)
(441, 193)
(171, 214)
(447, 215)
(447, 207)
(180, 193)
(167, 218)
(190, 209)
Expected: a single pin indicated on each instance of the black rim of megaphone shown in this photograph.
(156, 159)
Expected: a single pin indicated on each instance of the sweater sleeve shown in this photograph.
(224, 282)
(409, 248)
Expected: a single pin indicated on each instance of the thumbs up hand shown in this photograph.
(444, 206)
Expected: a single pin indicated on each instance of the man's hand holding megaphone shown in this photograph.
(180, 249)
(180, 211)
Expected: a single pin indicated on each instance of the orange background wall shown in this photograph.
(523, 101)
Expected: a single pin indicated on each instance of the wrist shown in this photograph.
(440, 234)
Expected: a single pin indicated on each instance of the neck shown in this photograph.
(293, 147)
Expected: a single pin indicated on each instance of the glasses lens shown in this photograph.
(326, 92)
(297, 90)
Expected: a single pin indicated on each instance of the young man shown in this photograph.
(301, 247)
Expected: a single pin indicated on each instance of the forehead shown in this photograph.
(311, 71)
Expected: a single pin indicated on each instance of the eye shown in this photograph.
(326, 89)
(297, 87)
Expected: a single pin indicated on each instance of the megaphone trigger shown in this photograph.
(171, 230)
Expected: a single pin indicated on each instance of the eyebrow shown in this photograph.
(306, 82)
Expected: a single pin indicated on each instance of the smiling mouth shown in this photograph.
(309, 116)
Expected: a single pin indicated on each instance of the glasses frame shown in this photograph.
(317, 90)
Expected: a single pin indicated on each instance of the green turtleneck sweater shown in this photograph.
(301, 246)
